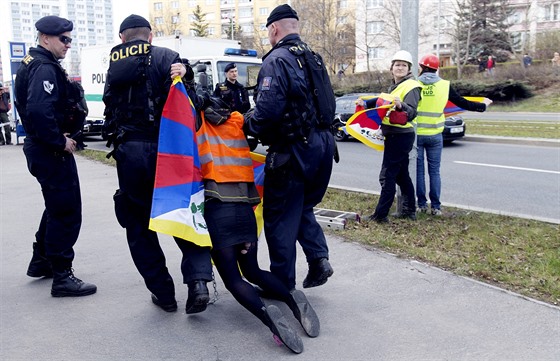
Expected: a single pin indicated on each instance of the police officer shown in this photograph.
(138, 81)
(299, 159)
(5, 107)
(232, 92)
(41, 91)
(430, 123)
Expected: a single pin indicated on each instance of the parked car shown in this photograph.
(454, 127)
(345, 108)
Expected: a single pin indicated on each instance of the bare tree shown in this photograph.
(326, 26)
(166, 21)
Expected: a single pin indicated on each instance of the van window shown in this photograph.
(247, 72)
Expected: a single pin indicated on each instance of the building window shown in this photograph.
(343, 4)
(263, 11)
(375, 53)
(374, 27)
(211, 30)
(552, 12)
(341, 19)
(175, 4)
(158, 20)
(265, 41)
(192, 3)
(246, 13)
(370, 4)
(175, 19)
(158, 6)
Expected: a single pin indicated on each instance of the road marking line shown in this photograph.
(509, 167)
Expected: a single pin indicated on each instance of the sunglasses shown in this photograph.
(65, 39)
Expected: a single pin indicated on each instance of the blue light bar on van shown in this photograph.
(241, 52)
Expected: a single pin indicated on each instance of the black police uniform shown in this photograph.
(137, 116)
(297, 171)
(41, 102)
(234, 95)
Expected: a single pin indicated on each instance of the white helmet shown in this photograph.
(402, 55)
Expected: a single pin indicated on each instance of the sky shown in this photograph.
(121, 9)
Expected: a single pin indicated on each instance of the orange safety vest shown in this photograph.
(224, 152)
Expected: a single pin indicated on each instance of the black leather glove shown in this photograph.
(189, 75)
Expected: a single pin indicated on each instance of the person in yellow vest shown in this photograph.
(230, 194)
(398, 130)
(430, 121)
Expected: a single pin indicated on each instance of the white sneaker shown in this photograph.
(422, 209)
(436, 212)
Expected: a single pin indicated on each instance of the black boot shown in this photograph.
(39, 265)
(319, 272)
(280, 327)
(169, 306)
(198, 297)
(65, 284)
(304, 313)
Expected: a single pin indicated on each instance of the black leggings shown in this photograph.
(227, 260)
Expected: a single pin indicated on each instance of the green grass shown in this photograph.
(548, 102)
(516, 254)
(549, 130)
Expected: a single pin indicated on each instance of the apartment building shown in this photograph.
(225, 18)
(93, 23)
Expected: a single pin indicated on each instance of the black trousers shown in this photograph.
(394, 170)
(62, 218)
(136, 164)
(288, 201)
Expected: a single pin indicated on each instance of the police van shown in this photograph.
(209, 70)
(208, 57)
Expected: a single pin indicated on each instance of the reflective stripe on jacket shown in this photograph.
(224, 152)
(430, 117)
(401, 91)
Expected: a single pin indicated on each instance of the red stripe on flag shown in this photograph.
(175, 169)
(176, 109)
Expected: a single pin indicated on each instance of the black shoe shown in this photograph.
(410, 216)
(304, 313)
(319, 272)
(280, 327)
(65, 284)
(198, 297)
(39, 265)
(376, 219)
(167, 307)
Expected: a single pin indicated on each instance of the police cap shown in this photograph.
(229, 67)
(280, 12)
(134, 21)
(53, 25)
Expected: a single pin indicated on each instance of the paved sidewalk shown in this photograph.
(375, 307)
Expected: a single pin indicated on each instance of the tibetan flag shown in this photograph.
(258, 170)
(365, 125)
(451, 109)
(178, 199)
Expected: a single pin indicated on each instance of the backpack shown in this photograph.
(319, 81)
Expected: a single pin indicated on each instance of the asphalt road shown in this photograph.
(510, 179)
(517, 179)
(375, 307)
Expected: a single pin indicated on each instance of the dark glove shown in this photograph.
(189, 75)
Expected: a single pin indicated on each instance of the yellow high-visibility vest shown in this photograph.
(430, 117)
(401, 91)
